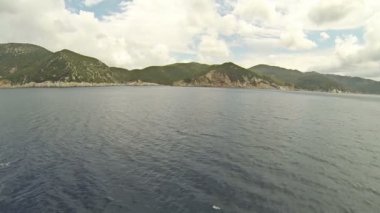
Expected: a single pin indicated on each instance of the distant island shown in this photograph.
(28, 65)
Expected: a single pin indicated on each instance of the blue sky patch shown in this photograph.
(101, 9)
(329, 43)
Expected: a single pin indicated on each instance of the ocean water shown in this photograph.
(172, 149)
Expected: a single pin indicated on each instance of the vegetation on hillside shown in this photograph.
(23, 63)
(299, 80)
(165, 75)
(26, 63)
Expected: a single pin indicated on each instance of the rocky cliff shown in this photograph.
(219, 79)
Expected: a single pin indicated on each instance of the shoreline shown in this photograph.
(142, 84)
(72, 85)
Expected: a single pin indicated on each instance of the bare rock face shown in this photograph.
(141, 83)
(220, 79)
(4, 83)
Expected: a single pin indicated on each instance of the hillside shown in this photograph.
(165, 75)
(195, 74)
(307, 81)
(19, 61)
(69, 66)
(228, 75)
(317, 81)
(27, 64)
(358, 85)
(24, 63)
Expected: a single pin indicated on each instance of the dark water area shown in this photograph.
(171, 149)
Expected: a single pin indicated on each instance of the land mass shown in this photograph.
(28, 65)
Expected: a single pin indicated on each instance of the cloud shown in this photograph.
(347, 47)
(354, 57)
(254, 10)
(340, 14)
(371, 48)
(149, 32)
(139, 36)
(90, 3)
(296, 39)
(324, 36)
(305, 61)
(331, 11)
(212, 48)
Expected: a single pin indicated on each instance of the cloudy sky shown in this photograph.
(329, 36)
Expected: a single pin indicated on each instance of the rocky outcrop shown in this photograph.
(141, 83)
(220, 79)
(57, 84)
(4, 83)
(62, 84)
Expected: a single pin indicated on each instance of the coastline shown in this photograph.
(59, 84)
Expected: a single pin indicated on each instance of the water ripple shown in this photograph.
(164, 149)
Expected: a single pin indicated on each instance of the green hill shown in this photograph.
(19, 61)
(355, 84)
(195, 74)
(280, 75)
(228, 75)
(165, 75)
(299, 80)
(25, 63)
(69, 66)
(317, 81)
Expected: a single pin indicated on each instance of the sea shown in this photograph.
(178, 149)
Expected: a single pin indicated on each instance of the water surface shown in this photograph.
(169, 149)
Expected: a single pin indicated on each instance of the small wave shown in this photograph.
(211, 135)
(216, 207)
(5, 165)
(183, 133)
(281, 118)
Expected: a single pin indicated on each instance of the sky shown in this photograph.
(327, 36)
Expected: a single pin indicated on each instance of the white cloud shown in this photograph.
(347, 47)
(90, 3)
(252, 10)
(296, 39)
(212, 49)
(324, 36)
(340, 14)
(353, 57)
(300, 61)
(371, 48)
(140, 36)
(332, 10)
(149, 32)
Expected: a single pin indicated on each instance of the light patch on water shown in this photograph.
(5, 165)
(216, 207)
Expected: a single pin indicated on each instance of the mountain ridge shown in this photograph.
(25, 64)
(317, 81)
